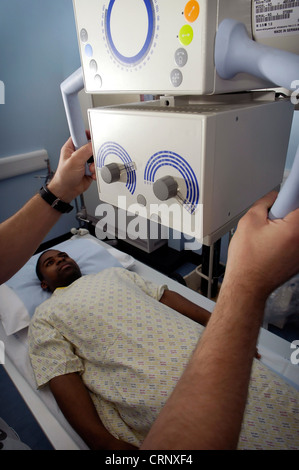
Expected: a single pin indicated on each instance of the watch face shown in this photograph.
(55, 202)
(61, 206)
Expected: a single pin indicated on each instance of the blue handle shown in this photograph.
(288, 198)
(235, 52)
(70, 89)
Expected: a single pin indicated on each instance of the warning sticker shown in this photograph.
(275, 17)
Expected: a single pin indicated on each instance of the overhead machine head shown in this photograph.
(198, 157)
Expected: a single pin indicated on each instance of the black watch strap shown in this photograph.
(54, 201)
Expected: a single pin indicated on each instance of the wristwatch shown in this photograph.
(54, 201)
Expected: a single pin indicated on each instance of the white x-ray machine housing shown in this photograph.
(195, 166)
(210, 146)
(168, 47)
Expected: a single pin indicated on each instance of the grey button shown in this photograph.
(98, 81)
(141, 200)
(84, 35)
(3, 435)
(93, 66)
(181, 57)
(176, 77)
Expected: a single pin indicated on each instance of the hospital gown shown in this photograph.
(131, 350)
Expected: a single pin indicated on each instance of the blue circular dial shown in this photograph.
(133, 60)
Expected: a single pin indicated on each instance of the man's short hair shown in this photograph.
(38, 268)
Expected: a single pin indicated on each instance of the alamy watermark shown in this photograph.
(149, 223)
(2, 353)
(2, 92)
(295, 94)
(295, 354)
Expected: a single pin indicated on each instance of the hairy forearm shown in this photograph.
(209, 400)
(185, 307)
(22, 233)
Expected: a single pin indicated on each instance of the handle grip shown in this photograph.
(70, 89)
(235, 53)
(288, 198)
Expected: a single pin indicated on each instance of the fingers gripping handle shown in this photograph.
(288, 198)
(235, 53)
(70, 89)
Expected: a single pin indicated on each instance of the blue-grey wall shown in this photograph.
(38, 50)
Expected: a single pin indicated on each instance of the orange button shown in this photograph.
(192, 11)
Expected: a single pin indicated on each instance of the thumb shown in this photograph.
(293, 217)
(81, 155)
(267, 201)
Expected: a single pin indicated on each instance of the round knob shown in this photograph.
(165, 188)
(111, 173)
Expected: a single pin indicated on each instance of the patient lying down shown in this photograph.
(112, 347)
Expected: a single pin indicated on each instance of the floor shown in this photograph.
(14, 411)
(290, 332)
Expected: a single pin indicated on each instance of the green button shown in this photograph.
(186, 35)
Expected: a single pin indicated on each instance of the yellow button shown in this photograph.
(186, 35)
(192, 11)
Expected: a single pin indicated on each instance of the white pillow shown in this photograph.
(13, 313)
(20, 296)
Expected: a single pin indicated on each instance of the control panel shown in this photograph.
(194, 166)
(156, 46)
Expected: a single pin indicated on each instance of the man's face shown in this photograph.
(58, 270)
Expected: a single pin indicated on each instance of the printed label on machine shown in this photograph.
(275, 18)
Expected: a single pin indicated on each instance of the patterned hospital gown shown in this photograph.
(131, 351)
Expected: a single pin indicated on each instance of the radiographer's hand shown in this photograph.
(70, 180)
(263, 253)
